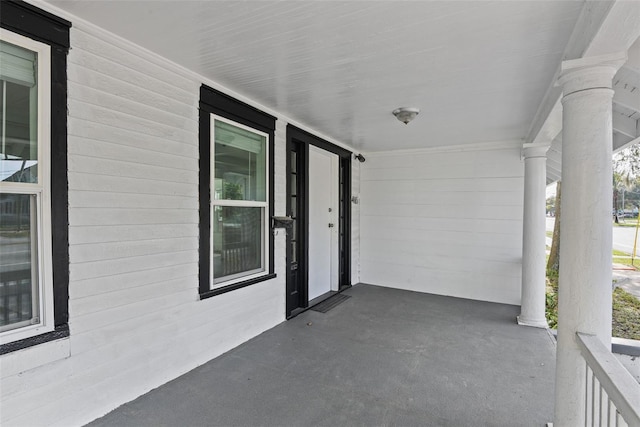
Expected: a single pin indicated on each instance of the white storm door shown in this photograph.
(323, 222)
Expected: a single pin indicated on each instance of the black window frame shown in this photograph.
(32, 22)
(215, 102)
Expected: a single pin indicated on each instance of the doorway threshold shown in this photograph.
(318, 300)
(330, 303)
(321, 298)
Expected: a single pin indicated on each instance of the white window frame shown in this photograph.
(41, 190)
(264, 269)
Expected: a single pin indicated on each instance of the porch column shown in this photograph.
(584, 289)
(532, 310)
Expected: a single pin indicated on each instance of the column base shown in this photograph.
(533, 323)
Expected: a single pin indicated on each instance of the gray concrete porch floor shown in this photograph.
(382, 357)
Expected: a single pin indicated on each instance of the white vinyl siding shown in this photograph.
(135, 317)
(444, 222)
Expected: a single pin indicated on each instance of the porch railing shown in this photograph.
(612, 395)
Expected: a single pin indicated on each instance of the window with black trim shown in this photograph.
(236, 193)
(34, 260)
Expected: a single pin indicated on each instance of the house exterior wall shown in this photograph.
(446, 221)
(136, 320)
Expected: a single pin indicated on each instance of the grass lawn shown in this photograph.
(626, 310)
(627, 222)
(624, 259)
(626, 315)
(626, 307)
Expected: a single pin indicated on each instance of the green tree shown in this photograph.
(551, 204)
(553, 264)
(626, 174)
(627, 162)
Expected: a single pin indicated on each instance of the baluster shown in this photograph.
(593, 399)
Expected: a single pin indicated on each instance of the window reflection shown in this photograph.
(17, 261)
(240, 164)
(237, 240)
(18, 114)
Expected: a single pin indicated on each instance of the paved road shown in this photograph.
(15, 253)
(623, 237)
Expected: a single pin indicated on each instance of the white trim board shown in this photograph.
(481, 146)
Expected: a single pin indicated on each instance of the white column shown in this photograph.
(532, 310)
(584, 289)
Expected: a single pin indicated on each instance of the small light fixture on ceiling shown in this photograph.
(406, 114)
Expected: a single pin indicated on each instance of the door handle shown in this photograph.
(330, 225)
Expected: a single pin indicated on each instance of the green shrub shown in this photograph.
(552, 299)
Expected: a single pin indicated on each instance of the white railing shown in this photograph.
(612, 395)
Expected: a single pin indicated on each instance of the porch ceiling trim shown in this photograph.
(483, 146)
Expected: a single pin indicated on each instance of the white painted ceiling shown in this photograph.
(478, 70)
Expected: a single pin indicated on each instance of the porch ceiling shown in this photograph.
(478, 70)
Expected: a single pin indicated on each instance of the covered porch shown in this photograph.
(382, 357)
(446, 215)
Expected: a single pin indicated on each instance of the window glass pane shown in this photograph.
(18, 280)
(240, 164)
(18, 114)
(237, 240)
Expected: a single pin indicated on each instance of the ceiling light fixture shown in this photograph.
(406, 114)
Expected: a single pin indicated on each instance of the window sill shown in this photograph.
(238, 285)
(58, 333)
(30, 353)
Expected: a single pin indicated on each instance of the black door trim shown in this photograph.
(295, 133)
(300, 140)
